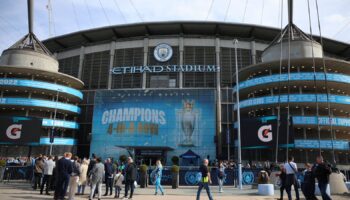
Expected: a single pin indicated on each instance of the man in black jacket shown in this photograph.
(130, 178)
(322, 172)
(64, 170)
(108, 176)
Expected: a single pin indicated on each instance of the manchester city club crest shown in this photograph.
(248, 177)
(163, 52)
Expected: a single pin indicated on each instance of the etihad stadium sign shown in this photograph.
(164, 68)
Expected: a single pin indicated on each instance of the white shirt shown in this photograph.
(289, 169)
(48, 167)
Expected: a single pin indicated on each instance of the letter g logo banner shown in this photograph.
(14, 131)
(265, 133)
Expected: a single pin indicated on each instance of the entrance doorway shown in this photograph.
(150, 156)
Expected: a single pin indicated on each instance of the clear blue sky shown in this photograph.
(74, 15)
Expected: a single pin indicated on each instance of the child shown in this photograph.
(118, 182)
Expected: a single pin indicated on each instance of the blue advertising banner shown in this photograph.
(60, 123)
(41, 85)
(39, 103)
(306, 76)
(294, 98)
(325, 144)
(176, 120)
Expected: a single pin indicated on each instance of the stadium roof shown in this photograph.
(220, 29)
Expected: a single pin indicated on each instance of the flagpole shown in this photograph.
(235, 41)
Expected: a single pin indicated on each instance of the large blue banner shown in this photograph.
(177, 120)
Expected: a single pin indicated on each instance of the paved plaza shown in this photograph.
(22, 190)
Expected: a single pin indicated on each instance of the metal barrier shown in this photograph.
(16, 173)
(191, 176)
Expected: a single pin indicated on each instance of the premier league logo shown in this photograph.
(188, 119)
(163, 52)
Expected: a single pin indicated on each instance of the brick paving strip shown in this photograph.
(22, 190)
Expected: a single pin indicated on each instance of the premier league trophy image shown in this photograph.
(188, 118)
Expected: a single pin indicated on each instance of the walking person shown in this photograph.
(158, 177)
(291, 179)
(49, 165)
(308, 184)
(38, 171)
(74, 178)
(83, 177)
(109, 177)
(97, 173)
(322, 171)
(130, 178)
(221, 176)
(205, 180)
(118, 183)
(282, 177)
(64, 170)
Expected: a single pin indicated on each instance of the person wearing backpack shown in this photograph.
(118, 183)
(221, 176)
(322, 171)
(291, 178)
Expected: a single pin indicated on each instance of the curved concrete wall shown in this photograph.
(298, 49)
(28, 58)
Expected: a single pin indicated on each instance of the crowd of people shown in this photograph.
(320, 171)
(68, 176)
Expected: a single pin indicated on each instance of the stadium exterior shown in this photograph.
(32, 88)
(120, 69)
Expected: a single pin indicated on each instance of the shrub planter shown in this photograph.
(175, 176)
(143, 176)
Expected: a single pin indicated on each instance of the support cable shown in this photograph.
(330, 116)
(262, 11)
(120, 11)
(279, 86)
(137, 12)
(341, 29)
(104, 12)
(210, 7)
(227, 9)
(75, 15)
(89, 13)
(315, 78)
(245, 10)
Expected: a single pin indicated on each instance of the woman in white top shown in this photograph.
(83, 177)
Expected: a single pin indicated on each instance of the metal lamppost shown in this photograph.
(228, 126)
(235, 41)
(52, 133)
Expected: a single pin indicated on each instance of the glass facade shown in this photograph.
(127, 57)
(69, 66)
(96, 70)
(199, 56)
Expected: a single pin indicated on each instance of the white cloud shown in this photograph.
(334, 15)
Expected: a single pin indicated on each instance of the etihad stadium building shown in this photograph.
(157, 90)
